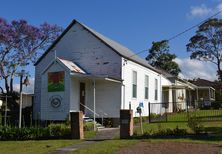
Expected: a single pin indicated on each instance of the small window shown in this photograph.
(146, 87)
(134, 84)
(156, 89)
(212, 93)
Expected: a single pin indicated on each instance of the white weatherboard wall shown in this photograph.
(74, 94)
(84, 49)
(165, 81)
(38, 82)
(127, 70)
(108, 97)
(47, 111)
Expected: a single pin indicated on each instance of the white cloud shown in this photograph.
(203, 10)
(196, 69)
(199, 11)
(219, 6)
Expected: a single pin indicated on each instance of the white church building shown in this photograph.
(86, 71)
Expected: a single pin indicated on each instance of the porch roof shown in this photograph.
(96, 77)
(205, 87)
(72, 66)
(177, 87)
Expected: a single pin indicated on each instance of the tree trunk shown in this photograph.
(219, 71)
(11, 85)
(6, 85)
(2, 91)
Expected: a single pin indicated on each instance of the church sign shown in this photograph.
(56, 81)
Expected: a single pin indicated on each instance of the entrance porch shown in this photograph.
(177, 97)
(95, 96)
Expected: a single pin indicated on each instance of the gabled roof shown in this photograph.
(118, 48)
(72, 66)
(206, 83)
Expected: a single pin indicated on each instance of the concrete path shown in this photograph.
(102, 134)
(105, 134)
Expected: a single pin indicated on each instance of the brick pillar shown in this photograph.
(77, 125)
(126, 123)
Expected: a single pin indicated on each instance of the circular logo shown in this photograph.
(55, 101)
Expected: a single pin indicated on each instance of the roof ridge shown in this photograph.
(115, 46)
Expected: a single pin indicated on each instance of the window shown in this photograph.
(212, 93)
(156, 89)
(134, 85)
(146, 87)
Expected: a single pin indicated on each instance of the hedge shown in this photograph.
(53, 131)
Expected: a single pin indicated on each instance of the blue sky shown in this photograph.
(134, 24)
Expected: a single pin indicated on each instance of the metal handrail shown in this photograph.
(102, 114)
(89, 109)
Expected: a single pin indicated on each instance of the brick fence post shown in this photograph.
(77, 125)
(126, 123)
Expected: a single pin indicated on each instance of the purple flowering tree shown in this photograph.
(22, 44)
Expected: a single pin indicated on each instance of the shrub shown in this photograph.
(0, 118)
(53, 131)
(216, 105)
(59, 130)
(194, 124)
(136, 120)
(14, 133)
(153, 115)
(107, 122)
(88, 126)
(162, 132)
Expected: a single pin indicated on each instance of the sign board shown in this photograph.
(141, 104)
(56, 81)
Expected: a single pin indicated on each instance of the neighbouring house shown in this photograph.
(177, 93)
(86, 71)
(27, 104)
(27, 100)
(186, 95)
(206, 89)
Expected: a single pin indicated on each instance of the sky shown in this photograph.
(135, 24)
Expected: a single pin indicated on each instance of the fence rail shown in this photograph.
(180, 112)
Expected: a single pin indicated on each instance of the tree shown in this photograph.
(21, 44)
(206, 44)
(160, 57)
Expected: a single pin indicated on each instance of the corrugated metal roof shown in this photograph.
(122, 50)
(72, 66)
(117, 47)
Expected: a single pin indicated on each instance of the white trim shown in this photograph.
(54, 62)
(112, 80)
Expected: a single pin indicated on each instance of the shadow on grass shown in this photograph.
(200, 137)
(153, 122)
(214, 130)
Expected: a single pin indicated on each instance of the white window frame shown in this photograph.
(134, 84)
(146, 85)
(156, 90)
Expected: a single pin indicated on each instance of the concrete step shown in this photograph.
(100, 127)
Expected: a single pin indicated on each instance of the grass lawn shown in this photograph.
(214, 127)
(40, 147)
(149, 127)
(89, 134)
(29, 147)
(202, 114)
(112, 146)
(105, 147)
